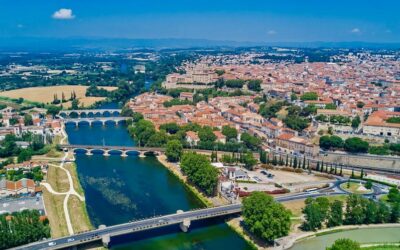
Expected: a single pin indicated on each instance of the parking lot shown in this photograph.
(19, 204)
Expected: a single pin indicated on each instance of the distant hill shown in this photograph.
(56, 44)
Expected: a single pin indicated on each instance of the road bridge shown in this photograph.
(90, 112)
(91, 120)
(181, 218)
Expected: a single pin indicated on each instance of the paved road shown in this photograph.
(161, 221)
(19, 204)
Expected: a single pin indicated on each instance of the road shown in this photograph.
(161, 221)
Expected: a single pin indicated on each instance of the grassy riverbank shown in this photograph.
(234, 224)
(173, 169)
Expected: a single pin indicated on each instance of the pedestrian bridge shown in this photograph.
(106, 150)
(93, 120)
(89, 113)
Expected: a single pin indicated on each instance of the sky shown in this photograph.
(233, 20)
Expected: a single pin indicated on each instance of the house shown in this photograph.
(294, 145)
(23, 186)
(220, 137)
(377, 124)
(192, 138)
(188, 96)
(236, 174)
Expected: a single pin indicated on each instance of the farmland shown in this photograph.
(46, 94)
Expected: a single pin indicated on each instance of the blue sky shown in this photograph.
(238, 20)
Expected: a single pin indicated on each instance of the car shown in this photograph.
(70, 240)
(264, 172)
(52, 244)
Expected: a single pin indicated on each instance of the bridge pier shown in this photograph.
(89, 152)
(103, 122)
(124, 154)
(106, 153)
(185, 224)
(105, 239)
(141, 154)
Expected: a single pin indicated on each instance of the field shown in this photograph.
(46, 94)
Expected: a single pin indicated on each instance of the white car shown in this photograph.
(52, 244)
(70, 240)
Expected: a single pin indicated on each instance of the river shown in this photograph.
(364, 236)
(121, 189)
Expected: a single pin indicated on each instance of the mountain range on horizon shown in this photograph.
(77, 43)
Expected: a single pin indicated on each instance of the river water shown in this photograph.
(121, 189)
(364, 235)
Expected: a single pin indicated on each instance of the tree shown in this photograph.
(355, 212)
(394, 195)
(171, 128)
(293, 97)
(229, 132)
(356, 122)
(362, 173)
(28, 121)
(200, 172)
(368, 184)
(287, 160)
(24, 155)
(327, 142)
(206, 134)
(313, 215)
(254, 85)
(309, 96)
(335, 214)
(395, 213)
(249, 160)
(142, 131)
(344, 244)
(317, 167)
(53, 110)
(356, 145)
(250, 141)
(173, 150)
(264, 217)
(360, 104)
(263, 157)
(324, 206)
(75, 104)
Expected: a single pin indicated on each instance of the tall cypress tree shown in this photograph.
(362, 173)
(341, 170)
(295, 162)
(304, 162)
(317, 167)
(287, 160)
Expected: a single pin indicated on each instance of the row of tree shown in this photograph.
(353, 144)
(21, 228)
(359, 210)
(200, 172)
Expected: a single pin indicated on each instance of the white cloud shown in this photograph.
(63, 14)
(271, 32)
(355, 30)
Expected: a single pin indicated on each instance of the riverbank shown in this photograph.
(233, 223)
(208, 202)
(64, 197)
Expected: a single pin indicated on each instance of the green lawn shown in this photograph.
(353, 188)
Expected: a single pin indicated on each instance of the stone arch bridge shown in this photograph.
(106, 150)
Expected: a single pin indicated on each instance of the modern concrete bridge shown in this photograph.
(91, 120)
(106, 149)
(88, 112)
(181, 218)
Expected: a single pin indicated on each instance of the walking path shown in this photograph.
(71, 190)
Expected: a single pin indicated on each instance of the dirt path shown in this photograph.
(71, 190)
